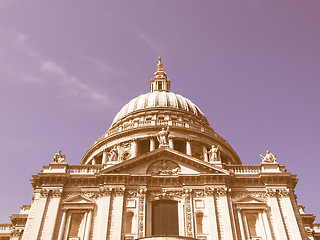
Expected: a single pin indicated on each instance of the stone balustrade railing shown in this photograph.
(163, 123)
(84, 169)
(5, 227)
(244, 169)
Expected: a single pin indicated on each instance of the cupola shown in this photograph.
(160, 83)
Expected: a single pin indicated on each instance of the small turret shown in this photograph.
(160, 82)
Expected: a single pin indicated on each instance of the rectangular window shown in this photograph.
(165, 218)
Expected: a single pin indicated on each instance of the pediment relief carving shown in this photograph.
(164, 167)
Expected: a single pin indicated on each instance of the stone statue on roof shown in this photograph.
(163, 137)
(214, 154)
(59, 158)
(269, 158)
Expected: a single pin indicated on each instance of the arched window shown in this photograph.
(199, 222)
(128, 222)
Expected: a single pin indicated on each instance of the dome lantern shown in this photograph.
(160, 83)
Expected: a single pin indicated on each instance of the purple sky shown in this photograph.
(67, 67)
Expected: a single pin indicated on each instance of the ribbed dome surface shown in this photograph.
(159, 99)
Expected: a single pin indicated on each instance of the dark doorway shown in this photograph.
(165, 218)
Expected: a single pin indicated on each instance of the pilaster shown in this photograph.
(104, 202)
(225, 214)
(52, 212)
(287, 210)
(277, 216)
(213, 225)
(36, 215)
(117, 213)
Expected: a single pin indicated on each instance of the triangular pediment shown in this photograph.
(78, 199)
(249, 199)
(165, 161)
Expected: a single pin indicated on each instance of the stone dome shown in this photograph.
(135, 128)
(160, 100)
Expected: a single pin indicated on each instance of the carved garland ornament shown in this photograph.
(142, 197)
(257, 194)
(187, 195)
(166, 194)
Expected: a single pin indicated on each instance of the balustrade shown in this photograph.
(84, 169)
(244, 169)
(5, 227)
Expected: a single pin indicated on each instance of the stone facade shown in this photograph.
(160, 153)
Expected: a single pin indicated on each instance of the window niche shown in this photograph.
(76, 218)
(253, 218)
(128, 222)
(199, 223)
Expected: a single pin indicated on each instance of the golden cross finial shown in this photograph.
(160, 64)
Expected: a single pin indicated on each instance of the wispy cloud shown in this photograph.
(104, 68)
(19, 62)
(154, 44)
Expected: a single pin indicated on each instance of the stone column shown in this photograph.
(188, 147)
(205, 154)
(152, 144)
(104, 156)
(242, 230)
(171, 142)
(62, 225)
(66, 227)
(134, 148)
(88, 225)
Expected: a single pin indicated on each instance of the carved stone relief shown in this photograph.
(187, 196)
(257, 194)
(164, 167)
(166, 194)
(141, 211)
